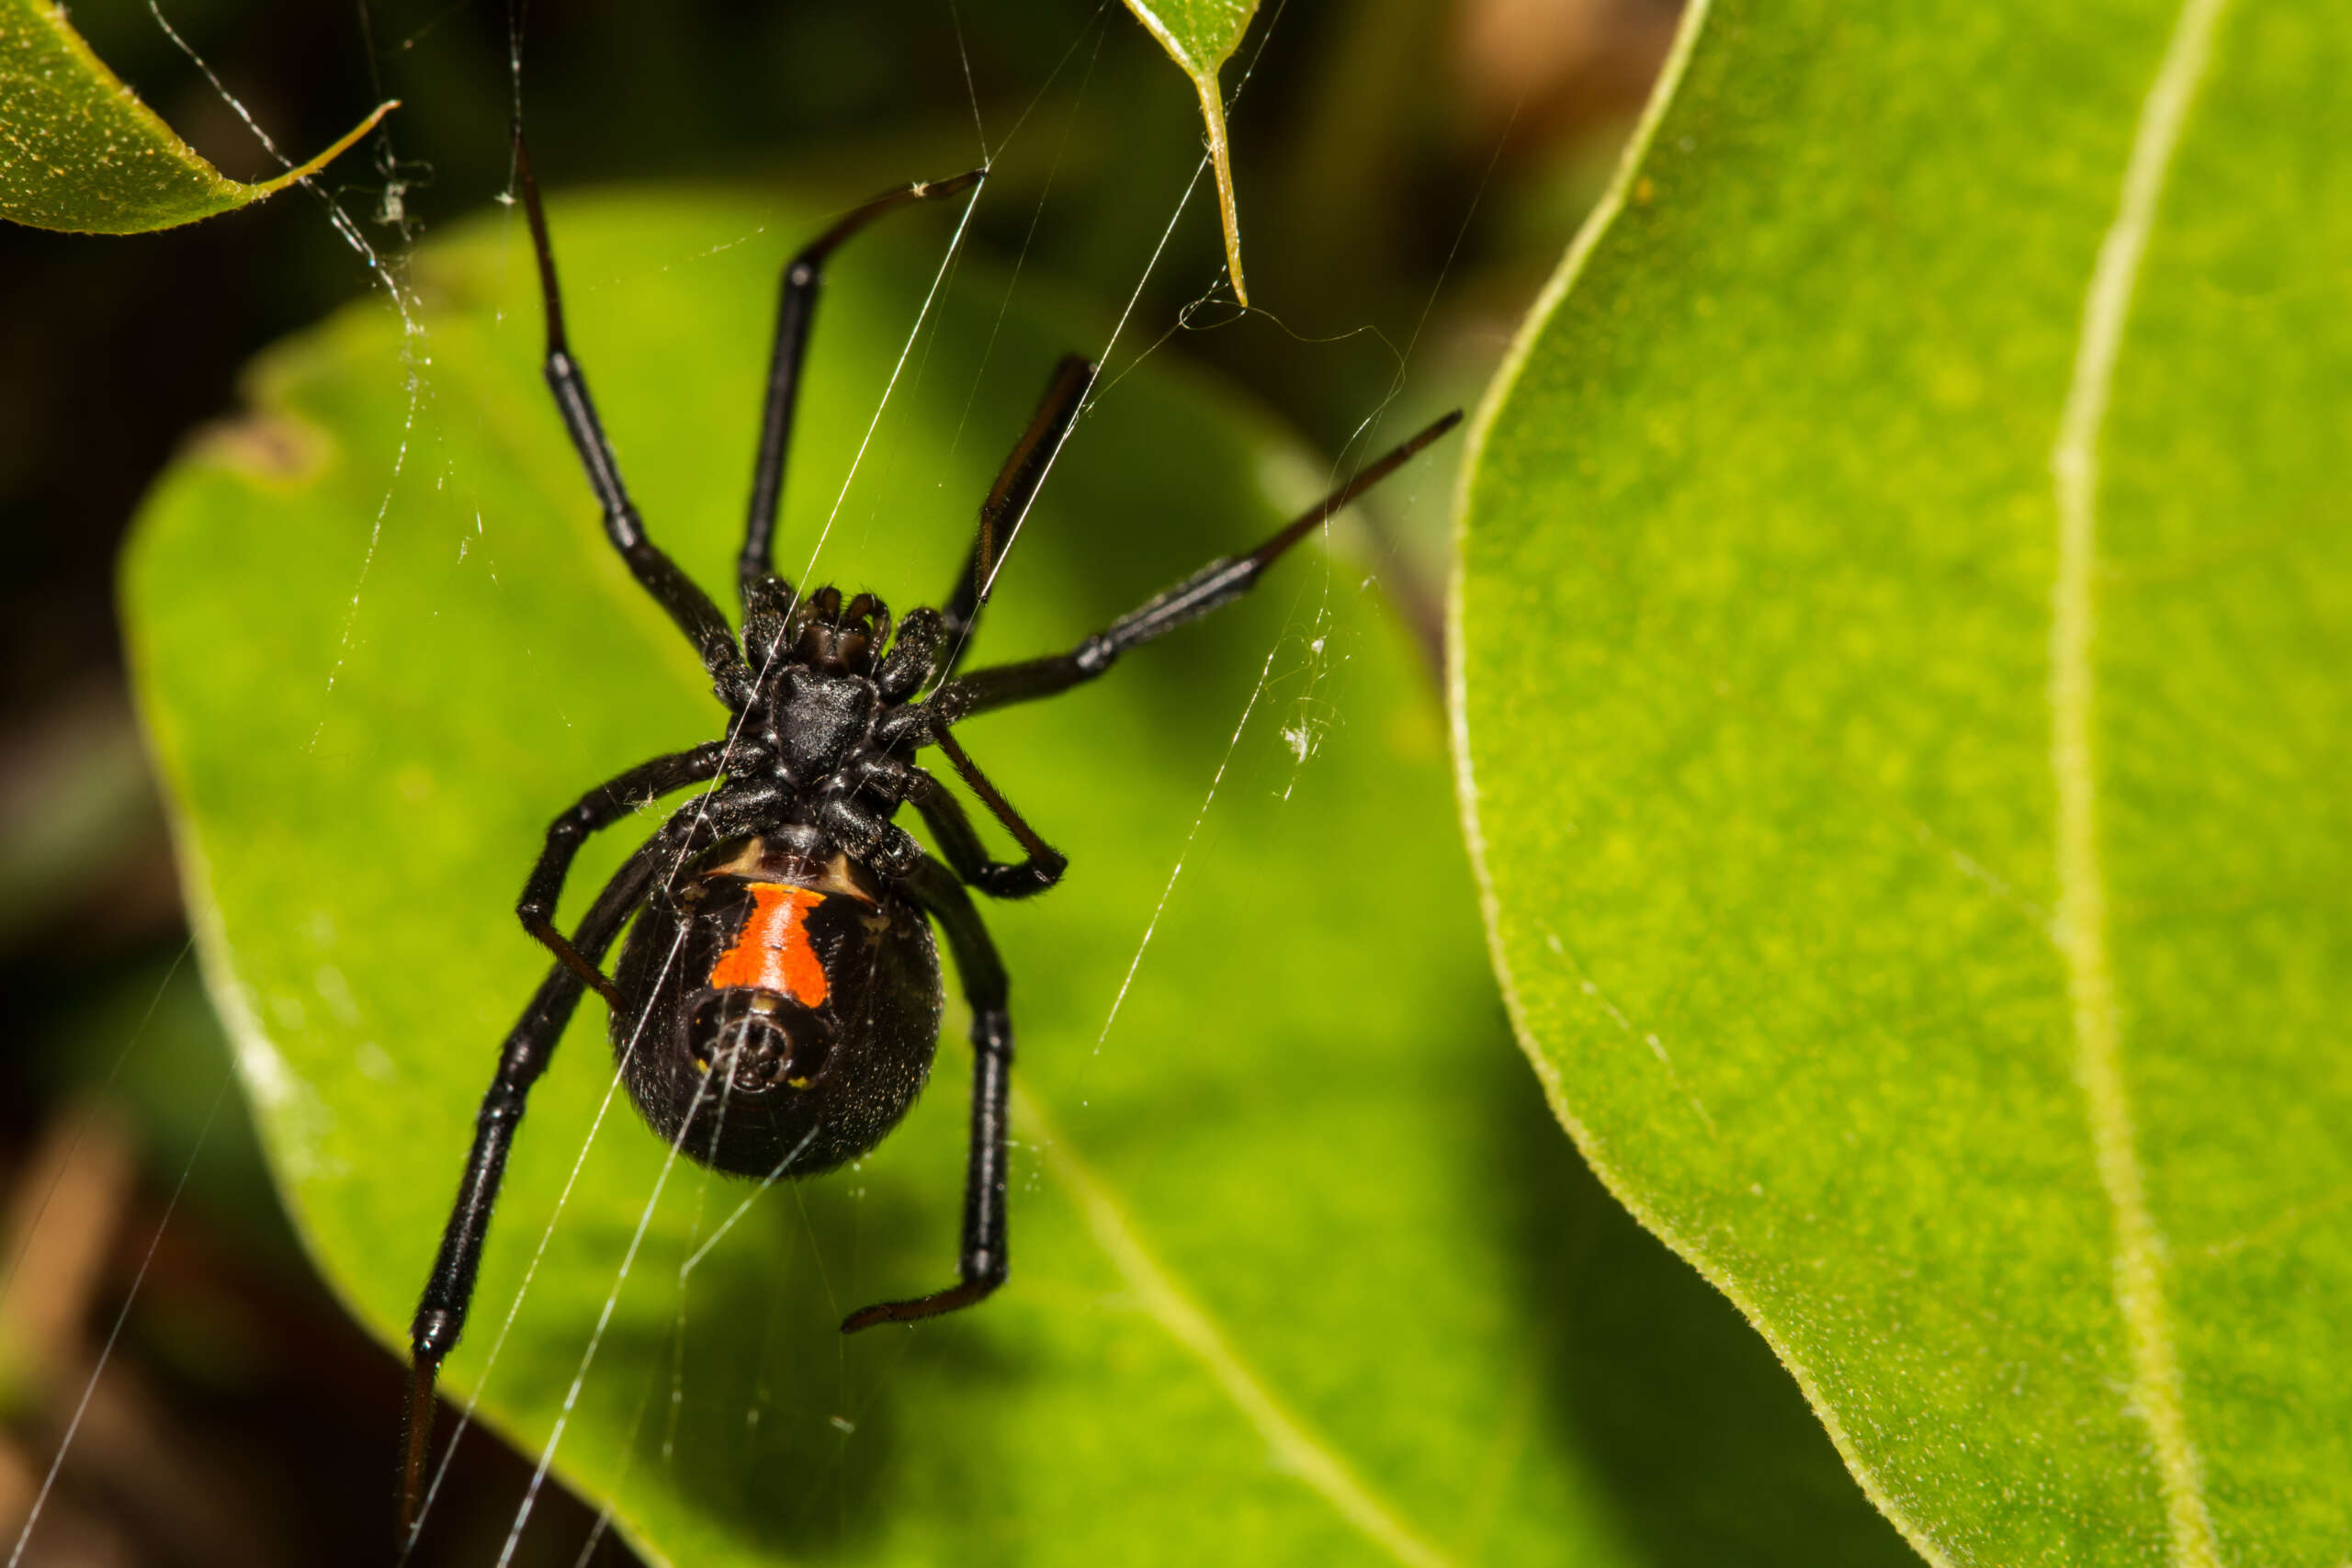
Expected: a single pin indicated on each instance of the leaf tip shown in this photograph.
(1221, 161)
(341, 145)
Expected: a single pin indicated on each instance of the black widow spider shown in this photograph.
(778, 1003)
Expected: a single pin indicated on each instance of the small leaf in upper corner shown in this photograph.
(79, 151)
(1200, 35)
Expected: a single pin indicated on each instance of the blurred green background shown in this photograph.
(1409, 171)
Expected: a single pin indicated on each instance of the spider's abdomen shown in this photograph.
(782, 1016)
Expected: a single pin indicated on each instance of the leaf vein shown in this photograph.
(2080, 930)
(1300, 1451)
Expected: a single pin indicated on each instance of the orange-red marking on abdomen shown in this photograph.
(773, 953)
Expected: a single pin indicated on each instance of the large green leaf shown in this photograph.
(79, 150)
(1200, 35)
(1299, 1273)
(1906, 632)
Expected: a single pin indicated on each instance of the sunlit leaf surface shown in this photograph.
(79, 150)
(1906, 672)
(1200, 35)
(1300, 1273)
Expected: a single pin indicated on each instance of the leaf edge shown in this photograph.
(1581, 248)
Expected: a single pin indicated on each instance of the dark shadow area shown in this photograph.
(1705, 1446)
(240, 1417)
(792, 1433)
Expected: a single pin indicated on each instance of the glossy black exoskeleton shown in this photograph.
(784, 1006)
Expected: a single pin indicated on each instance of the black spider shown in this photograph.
(776, 1006)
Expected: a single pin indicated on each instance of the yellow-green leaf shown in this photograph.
(1905, 683)
(78, 151)
(1200, 35)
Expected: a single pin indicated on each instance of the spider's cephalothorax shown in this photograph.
(776, 1006)
(816, 698)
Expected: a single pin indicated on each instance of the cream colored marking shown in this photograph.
(842, 875)
(1299, 1451)
(746, 863)
(752, 863)
(2080, 930)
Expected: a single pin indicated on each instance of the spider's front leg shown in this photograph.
(686, 604)
(1210, 589)
(983, 1258)
(1010, 497)
(796, 311)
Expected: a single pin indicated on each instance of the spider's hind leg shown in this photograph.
(982, 1260)
(1042, 865)
(441, 1311)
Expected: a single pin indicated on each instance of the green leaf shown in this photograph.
(78, 151)
(1906, 667)
(1200, 35)
(1300, 1274)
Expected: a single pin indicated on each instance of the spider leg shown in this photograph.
(1211, 588)
(796, 308)
(688, 605)
(441, 1313)
(1041, 869)
(448, 1293)
(1009, 499)
(983, 1258)
(601, 807)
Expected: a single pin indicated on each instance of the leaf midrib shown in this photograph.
(1303, 1454)
(2080, 931)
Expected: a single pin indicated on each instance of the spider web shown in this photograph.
(914, 350)
(1291, 692)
